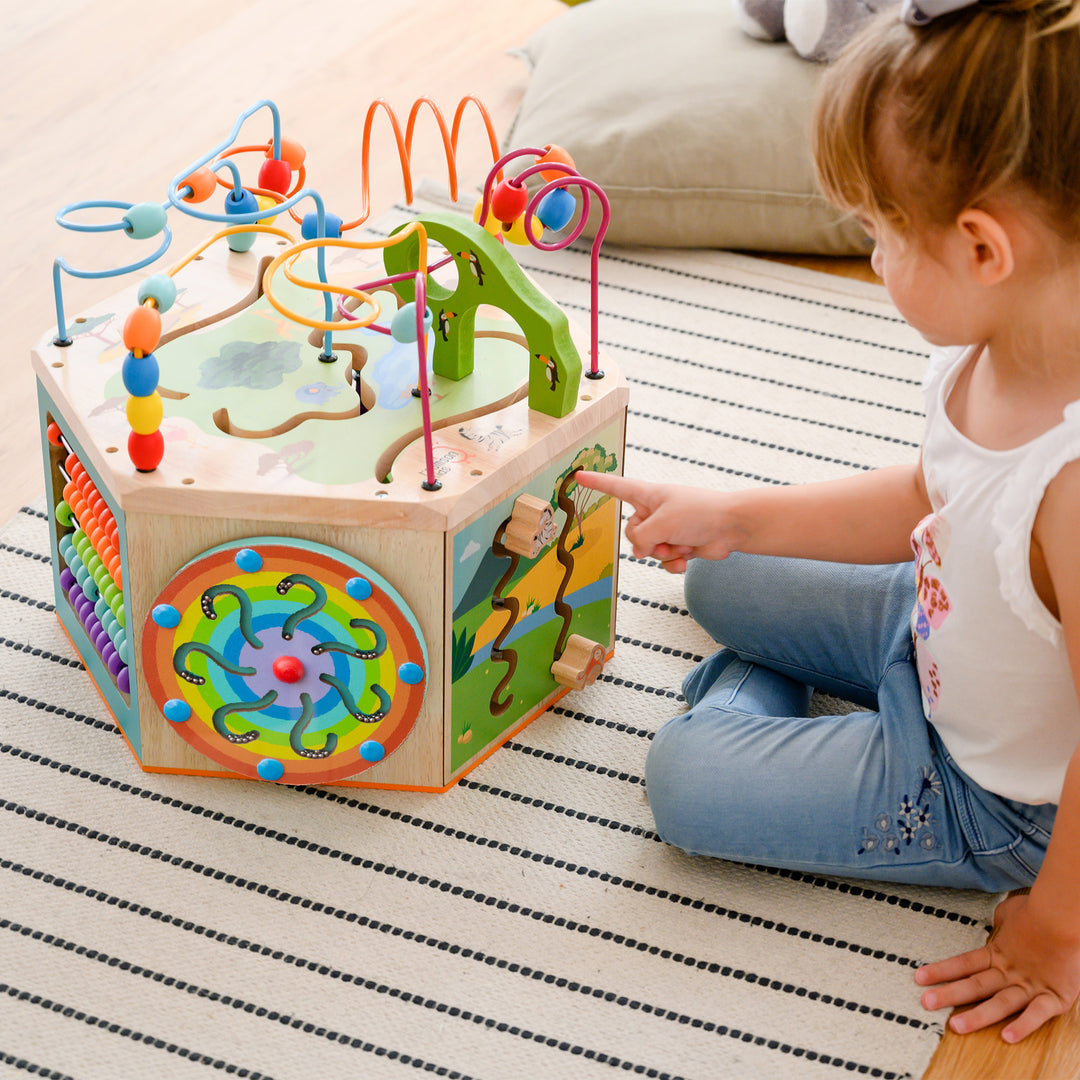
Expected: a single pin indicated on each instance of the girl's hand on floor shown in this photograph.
(670, 523)
(1028, 969)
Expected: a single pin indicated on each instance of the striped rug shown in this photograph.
(529, 923)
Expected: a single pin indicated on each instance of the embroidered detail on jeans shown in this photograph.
(911, 824)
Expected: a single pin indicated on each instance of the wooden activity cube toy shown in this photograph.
(311, 531)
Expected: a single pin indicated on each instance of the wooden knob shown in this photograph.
(580, 664)
(531, 526)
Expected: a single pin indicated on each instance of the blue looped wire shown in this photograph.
(60, 263)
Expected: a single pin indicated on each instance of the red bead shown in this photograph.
(146, 451)
(54, 434)
(275, 175)
(288, 669)
(508, 201)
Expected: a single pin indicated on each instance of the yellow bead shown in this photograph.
(515, 234)
(493, 224)
(265, 203)
(144, 413)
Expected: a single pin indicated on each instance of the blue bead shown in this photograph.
(165, 616)
(410, 673)
(144, 220)
(270, 769)
(248, 560)
(370, 750)
(556, 209)
(161, 289)
(309, 227)
(140, 374)
(358, 588)
(176, 710)
(403, 325)
(241, 201)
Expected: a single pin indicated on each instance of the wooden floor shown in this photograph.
(104, 101)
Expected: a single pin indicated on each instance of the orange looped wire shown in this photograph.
(404, 147)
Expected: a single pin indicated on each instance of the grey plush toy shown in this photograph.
(816, 29)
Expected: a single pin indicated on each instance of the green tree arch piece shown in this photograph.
(488, 274)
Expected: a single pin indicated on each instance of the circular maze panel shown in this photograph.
(285, 660)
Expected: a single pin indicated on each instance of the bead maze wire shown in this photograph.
(506, 209)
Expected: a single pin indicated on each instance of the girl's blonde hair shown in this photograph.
(984, 100)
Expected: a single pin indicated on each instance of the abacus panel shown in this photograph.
(90, 567)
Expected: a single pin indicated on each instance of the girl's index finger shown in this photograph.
(621, 487)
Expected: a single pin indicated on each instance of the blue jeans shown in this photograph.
(745, 774)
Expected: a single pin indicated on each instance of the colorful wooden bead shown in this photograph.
(492, 224)
(555, 154)
(140, 374)
(403, 325)
(142, 329)
(144, 220)
(556, 209)
(515, 233)
(241, 201)
(146, 451)
(291, 151)
(309, 227)
(275, 175)
(508, 200)
(200, 185)
(144, 413)
(161, 289)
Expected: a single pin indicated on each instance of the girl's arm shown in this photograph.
(864, 518)
(1031, 966)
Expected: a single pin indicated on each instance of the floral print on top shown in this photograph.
(930, 541)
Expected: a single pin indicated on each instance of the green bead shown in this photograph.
(161, 289)
(144, 220)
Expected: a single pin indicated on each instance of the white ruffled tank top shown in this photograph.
(995, 677)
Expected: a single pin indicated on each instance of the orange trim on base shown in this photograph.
(466, 769)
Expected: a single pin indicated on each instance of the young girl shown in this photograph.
(956, 141)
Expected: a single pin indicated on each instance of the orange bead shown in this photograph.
(53, 434)
(553, 154)
(117, 574)
(292, 152)
(142, 329)
(203, 184)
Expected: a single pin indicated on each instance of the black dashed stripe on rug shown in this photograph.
(686, 275)
(32, 1068)
(41, 654)
(37, 556)
(758, 410)
(701, 335)
(311, 1027)
(526, 971)
(122, 1031)
(755, 377)
(717, 433)
(729, 313)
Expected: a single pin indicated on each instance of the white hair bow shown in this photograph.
(920, 12)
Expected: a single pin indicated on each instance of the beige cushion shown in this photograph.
(697, 133)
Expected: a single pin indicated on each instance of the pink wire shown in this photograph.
(431, 484)
(572, 178)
